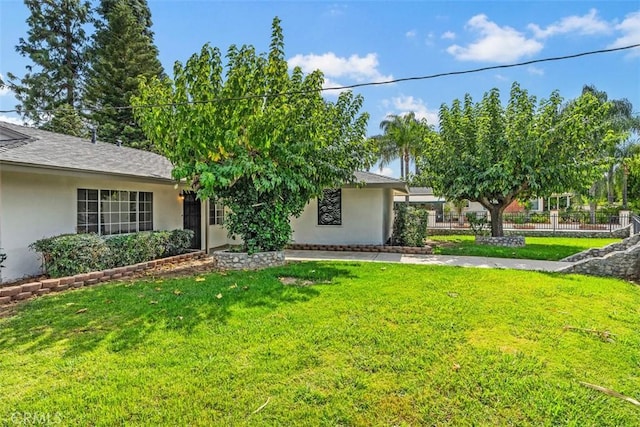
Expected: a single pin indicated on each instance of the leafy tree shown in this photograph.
(493, 155)
(66, 120)
(56, 44)
(250, 133)
(123, 51)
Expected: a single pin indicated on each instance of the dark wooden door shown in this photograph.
(191, 218)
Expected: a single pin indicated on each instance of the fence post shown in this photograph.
(553, 216)
(624, 217)
(431, 219)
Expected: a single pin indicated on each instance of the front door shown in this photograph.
(191, 217)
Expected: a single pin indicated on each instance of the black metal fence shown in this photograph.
(580, 220)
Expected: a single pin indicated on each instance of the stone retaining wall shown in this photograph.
(10, 294)
(227, 260)
(622, 264)
(425, 250)
(600, 252)
(591, 234)
(506, 241)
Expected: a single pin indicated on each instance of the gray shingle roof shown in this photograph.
(374, 180)
(425, 191)
(35, 147)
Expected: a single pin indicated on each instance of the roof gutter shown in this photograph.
(31, 166)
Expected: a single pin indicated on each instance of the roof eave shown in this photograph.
(89, 171)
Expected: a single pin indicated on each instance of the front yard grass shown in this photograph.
(339, 344)
(544, 248)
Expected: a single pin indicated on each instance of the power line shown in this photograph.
(356, 85)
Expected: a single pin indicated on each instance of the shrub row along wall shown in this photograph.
(28, 290)
(621, 264)
(425, 250)
(227, 260)
(619, 234)
(600, 252)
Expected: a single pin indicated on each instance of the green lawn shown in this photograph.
(367, 344)
(545, 248)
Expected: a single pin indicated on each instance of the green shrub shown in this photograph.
(409, 226)
(539, 218)
(478, 223)
(133, 248)
(70, 254)
(179, 242)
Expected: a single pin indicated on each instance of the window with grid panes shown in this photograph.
(216, 213)
(114, 211)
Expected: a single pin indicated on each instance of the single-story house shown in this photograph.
(52, 184)
(424, 197)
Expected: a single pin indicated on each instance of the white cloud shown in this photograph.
(630, 29)
(11, 119)
(588, 24)
(410, 34)
(496, 44)
(535, 71)
(356, 68)
(430, 40)
(405, 104)
(501, 77)
(331, 83)
(448, 35)
(4, 90)
(386, 171)
(337, 9)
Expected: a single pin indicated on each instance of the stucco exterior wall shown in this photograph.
(364, 219)
(39, 203)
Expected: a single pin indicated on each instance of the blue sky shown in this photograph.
(362, 41)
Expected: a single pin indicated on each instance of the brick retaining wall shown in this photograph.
(10, 294)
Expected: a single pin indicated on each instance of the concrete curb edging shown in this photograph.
(25, 291)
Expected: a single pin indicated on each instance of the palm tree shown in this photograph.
(403, 137)
(621, 120)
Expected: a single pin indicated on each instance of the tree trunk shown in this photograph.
(625, 172)
(496, 221)
(406, 170)
(610, 185)
(593, 203)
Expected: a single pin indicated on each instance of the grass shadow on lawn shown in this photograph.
(125, 314)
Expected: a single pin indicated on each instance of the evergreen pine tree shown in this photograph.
(123, 51)
(56, 44)
(65, 119)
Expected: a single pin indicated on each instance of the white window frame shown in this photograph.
(113, 211)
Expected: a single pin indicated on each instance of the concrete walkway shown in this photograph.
(461, 261)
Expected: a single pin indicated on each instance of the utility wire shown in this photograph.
(356, 85)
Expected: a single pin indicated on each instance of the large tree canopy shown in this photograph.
(493, 154)
(254, 135)
(56, 44)
(122, 51)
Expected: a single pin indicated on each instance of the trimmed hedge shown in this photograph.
(70, 254)
(409, 226)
